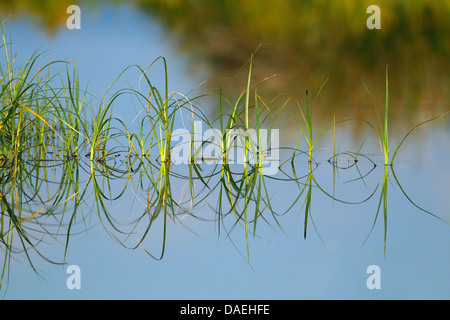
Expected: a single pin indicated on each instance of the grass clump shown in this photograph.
(48, 121)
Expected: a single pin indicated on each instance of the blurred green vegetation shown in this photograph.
(318, 37)
(303, 43)
(49, 14)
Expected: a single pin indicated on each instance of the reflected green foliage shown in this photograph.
(49, 14)
(302, 42)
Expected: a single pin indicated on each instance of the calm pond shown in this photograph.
(110, 218)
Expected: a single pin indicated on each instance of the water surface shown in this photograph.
(203, 259)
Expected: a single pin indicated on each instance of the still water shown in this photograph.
(206, 257)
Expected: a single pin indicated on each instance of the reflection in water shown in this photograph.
(51, 15)
(52, 198)
(304, 43)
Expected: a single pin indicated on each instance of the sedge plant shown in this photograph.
(383, 126)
